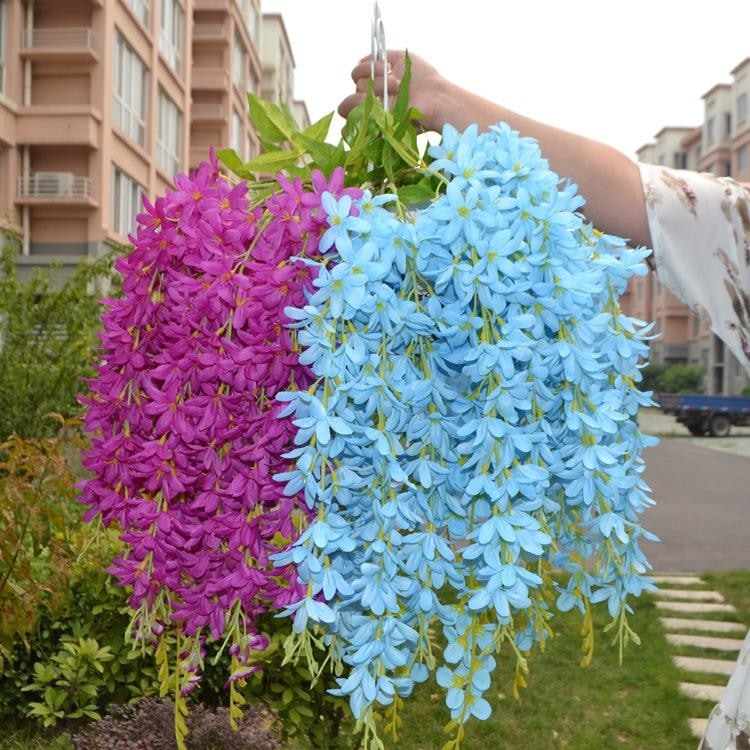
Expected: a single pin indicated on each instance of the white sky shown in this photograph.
(616, 71)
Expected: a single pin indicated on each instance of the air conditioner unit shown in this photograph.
(53, 183)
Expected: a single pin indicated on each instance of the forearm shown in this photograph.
(607, 179)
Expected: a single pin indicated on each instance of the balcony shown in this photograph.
(73, 125)
(209, 33)
(208, 112)
(54, 187)
(59, 43)
(213, 79)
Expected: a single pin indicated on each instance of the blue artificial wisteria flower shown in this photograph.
(472, 426)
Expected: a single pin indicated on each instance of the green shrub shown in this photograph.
(48, 338)
(682, 378)
(40, 531)
(62, 616)
(308, 715)
(69, 682)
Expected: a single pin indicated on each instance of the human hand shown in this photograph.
(424, 88)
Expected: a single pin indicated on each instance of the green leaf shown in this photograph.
(401, 105)
(274, 161)
(385, 122)
(414, 195)
(389, 163)
(324, 155)
(269, 120)
(358, 130)
(318, 131)
(231, 160)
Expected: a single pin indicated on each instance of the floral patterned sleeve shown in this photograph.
(700, 233)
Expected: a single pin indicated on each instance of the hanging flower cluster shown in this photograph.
(185, 425)
(373, 418)
(473, 423)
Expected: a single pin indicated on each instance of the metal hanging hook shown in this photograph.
(378, 50)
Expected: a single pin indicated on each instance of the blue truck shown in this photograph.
(713, 415)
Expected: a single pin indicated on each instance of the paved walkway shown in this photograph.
(697, 619)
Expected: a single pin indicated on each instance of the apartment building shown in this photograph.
(277, 83)
(103, 101)
(720, 145)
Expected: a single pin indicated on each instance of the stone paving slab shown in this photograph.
(704, 641)
(688, 595)
(710, 666)
(708, 626)
(677, 580)
(698, 727)
(694, 607)
(702, 692)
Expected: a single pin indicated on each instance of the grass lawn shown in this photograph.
(636, 706)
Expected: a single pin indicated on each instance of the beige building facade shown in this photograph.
(104, 101)
(720, 145)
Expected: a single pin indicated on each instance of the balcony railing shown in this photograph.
(55, 185)
(58, 39)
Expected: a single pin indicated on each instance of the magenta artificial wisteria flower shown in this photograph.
(184, 425)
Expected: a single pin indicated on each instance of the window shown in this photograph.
(140, 10)
(286, 75)
(742, 108)
(249, 13)
(236, 134)
(251, 18)
(254, 87)
(727, 123)
(2, 45)
(743, 158)
(710, 130)
(239, 63)
(131, 89)
(126, 201)
(169, 135)
(679, 160)
(170, 33)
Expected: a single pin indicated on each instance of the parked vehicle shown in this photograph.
(714, 415)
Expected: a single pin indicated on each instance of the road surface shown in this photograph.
(702, 511)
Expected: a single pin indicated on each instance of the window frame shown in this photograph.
(235, 133)
(742, 107)
(168, 155)
(141, 9)
(127, 89)
(172, 33)
(120, 210)
(240, 60)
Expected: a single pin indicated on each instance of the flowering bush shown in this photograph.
(372, 413)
